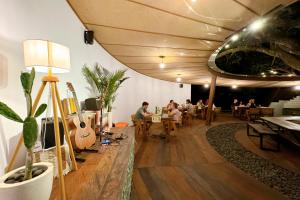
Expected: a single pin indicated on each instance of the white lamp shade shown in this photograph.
(42, 55)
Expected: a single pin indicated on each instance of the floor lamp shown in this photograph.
(49, 57)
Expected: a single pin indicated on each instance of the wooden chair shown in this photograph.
(267, 112)
(137, 123)
(253, 114)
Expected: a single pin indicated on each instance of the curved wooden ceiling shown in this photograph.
(186, 32)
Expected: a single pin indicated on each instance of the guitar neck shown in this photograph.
(77, 107)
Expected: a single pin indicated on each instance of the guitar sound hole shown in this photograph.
(82, 124)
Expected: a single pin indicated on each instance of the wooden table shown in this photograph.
(288, 129)
(104, 175)
(165, 121)
(284, 122)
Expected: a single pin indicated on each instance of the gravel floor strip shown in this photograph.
(222, 138)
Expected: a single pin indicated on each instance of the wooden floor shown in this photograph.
(187, 167)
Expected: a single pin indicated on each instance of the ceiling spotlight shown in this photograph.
(290, 75)
(162, 64)
(244, 29)
(263, 73)
(194, 1)
(235, 37)
(234, 86)
(226, 46)
(178, 79)
(257, 25)
(206, 85)
(297, 87)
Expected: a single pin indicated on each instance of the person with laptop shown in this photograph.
(140, 115)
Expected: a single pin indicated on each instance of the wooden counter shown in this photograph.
(104, 175)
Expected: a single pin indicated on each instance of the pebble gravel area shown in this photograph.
(222, 138)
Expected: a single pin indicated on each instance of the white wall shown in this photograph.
(54, 20)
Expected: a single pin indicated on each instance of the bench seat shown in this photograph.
(261, 131)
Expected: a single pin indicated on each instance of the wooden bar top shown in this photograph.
(104, 175)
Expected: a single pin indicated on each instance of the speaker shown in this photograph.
(47, 132)
(180, 85)
(92, 104)
(89, 37)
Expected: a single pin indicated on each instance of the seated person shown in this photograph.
(189, 106)
(175, 113)
(169, 106)
(251, 103)
(200, 104)
(142, 112)
(234, 107)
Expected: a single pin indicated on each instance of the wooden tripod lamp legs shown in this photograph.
(57, 142)
(66, 129)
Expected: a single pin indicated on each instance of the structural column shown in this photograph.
(211, 99)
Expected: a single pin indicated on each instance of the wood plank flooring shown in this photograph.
(187, 167)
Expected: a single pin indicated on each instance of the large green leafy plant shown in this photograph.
(30, 126)
(106, 84)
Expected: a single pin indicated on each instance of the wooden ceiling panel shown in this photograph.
(132, 16)
(153, 51)
(182, 66)
(186, 32)
(216, 12)
(128, 60)
(107, 35)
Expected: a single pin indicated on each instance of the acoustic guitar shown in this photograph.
(82, 136)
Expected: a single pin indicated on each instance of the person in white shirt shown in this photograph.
(175, 113)
(189, 106)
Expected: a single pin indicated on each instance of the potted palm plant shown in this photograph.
(32, 181)
(106, 84)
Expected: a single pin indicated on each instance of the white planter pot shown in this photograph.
(37, 188)
(109, 119)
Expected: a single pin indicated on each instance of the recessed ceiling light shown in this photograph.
(257, 25)
(194, 1)
(178, 79)
(235, 37)
(234, 86)
(206, 85)
(290, 75)
(263, 73)
(226, 46)
(297, 87)
(244, 29)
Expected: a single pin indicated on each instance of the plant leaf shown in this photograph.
(30, 132)
(8, 113)
(27, 80)
(40, 110)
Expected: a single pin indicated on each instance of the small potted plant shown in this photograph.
(32, 181)
(105, 84)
